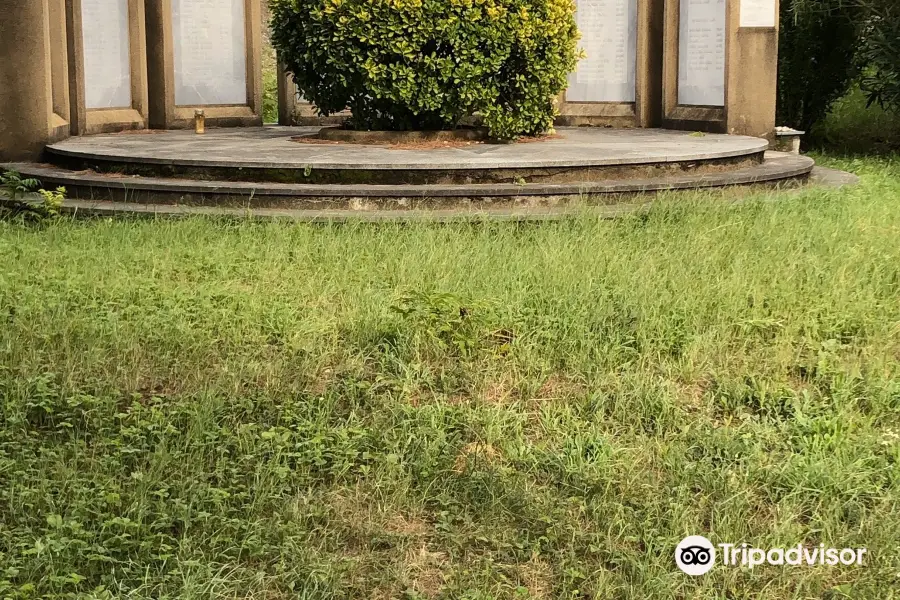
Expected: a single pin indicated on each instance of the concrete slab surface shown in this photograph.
(272, 147)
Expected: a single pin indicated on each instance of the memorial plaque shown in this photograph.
(758, 13)
(107, 53)
(701, 53)
(210, 52)
(609, 38)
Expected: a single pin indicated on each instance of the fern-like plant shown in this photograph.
(17, 206)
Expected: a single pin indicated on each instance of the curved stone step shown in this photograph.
(273, 154)
(88, 185)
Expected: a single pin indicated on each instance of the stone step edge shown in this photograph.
(820, 177)
(107, 208)
(777, 166)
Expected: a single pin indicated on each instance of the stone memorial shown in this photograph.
(107, 53)
(609, 40)
(108, 65)
(617, 83)
(720, 63)
(204, 54)
(701, 53)
(210, 52)
(77, 67)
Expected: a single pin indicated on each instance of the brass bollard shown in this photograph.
(199, 121)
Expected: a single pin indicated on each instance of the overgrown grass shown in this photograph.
(270, 94)
(269, 71)
(200, 409)
(854, 128)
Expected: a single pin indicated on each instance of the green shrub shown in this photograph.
(880, 53)
(816, 58)
(426, 64)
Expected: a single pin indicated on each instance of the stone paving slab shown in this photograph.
(271, 147)
(827, 177)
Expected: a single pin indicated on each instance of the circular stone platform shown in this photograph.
(262, 169)
(268, 154)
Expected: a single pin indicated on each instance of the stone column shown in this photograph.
(752, 77)
(29, 117)
(287, 97)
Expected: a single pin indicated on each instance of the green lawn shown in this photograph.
(207, 409)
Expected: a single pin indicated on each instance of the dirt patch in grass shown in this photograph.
(359, 508)
(537, 576)
(559, 386)
(476, 453)
(423, 570)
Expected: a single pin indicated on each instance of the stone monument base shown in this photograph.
(263, 168)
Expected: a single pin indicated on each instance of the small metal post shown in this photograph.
(199, 121)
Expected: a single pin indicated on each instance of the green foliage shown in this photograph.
(816, 58)
(826, 48)
(270, 94)
(880, 53)
(427, 64)
(17, 187)
(450, 323)
(854, 126)
(269, 81)
(51, 202)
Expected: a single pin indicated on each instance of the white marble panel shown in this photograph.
(107, 53)
(210, 52)
(701, 53)
(609, 38)
(758, 13)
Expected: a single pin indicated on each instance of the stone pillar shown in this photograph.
(753, 70)
(287, 97)
(33, 77)
(723, 77)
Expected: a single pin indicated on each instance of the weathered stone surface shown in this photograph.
(271, 147)
(832, 177)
